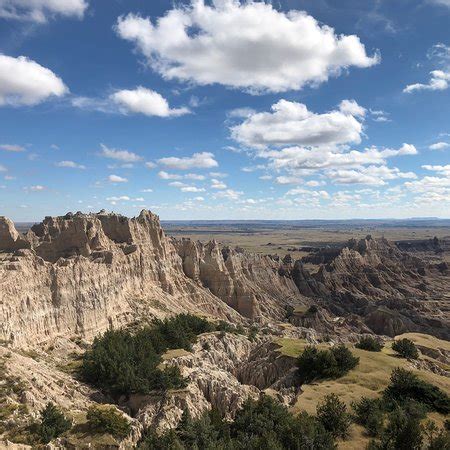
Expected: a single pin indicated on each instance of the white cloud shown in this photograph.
(371, 175)
(301, 158)
(218, 184)
(25, 82)
(204, 160)
(150, 165)
(241, 113)
(288, 180)
(292, 123)
(70, 165)
(120, 155)
(439, 81)
(218, 174)
(145, 101)
(265, 177)
(124, 198)
(194, 176)
(168, 176)
(117, 179)
(177, 184)
(352, 108)
(41, 10)
(12, 148)
(148, 190)
(230, 194)
(277, 51)
(441, 2)
(439, 146)
(36, 188)
(192, 189)
(3, 168)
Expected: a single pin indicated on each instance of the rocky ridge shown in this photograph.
(82, 273)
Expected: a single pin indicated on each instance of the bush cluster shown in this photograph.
(406, 348)
(396, 418)
(261, 424)
(122, 362)
(406, 386)
(52, 423)
(314, 364)
(370, 344)
(106, 419)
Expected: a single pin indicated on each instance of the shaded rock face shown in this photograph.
(82, 273)
(250, 284)
(392, 291)
(10, 239)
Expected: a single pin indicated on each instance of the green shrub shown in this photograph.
(52, 423)
(370, 344)
(406, 386)
(261, 424)
(121, 362)
(402, 432)
(406, 348)
(106, 419)
(314, 364)
(332, 414)
(368, 412)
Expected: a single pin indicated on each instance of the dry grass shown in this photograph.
(368, 379)
(425, 340)
(175, 353)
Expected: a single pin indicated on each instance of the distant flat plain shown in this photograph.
(281, 237)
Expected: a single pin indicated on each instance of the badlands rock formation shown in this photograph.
(82, 273)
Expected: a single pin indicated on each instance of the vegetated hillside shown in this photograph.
(73, 278)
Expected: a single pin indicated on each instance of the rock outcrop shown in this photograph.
(82, 273)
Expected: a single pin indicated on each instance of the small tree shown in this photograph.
(370, 344)
(106, 419)
(368, 412)
(53, 423)
(314, 364)
(406, 348)
(332, 414)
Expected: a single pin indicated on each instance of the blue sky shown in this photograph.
(294, 109)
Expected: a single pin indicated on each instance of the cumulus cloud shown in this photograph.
(12, 148)
(25, 82)
(192, 189)
(371, 175)
(276, 51)
(203, 160)
(117, 179)
(352, 108)
(168, 176)
(229, 194)
(41, 10)
(217, 184)
(120, 155)
(70, 165)
(439, 81)
(439, 146)
(145, 101)
(292, 123)
(296, 158)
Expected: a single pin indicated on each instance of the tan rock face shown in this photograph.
(10, 239)
(83, 273)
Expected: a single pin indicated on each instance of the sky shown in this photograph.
(225, 109)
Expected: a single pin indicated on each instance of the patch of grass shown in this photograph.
(425, 340)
